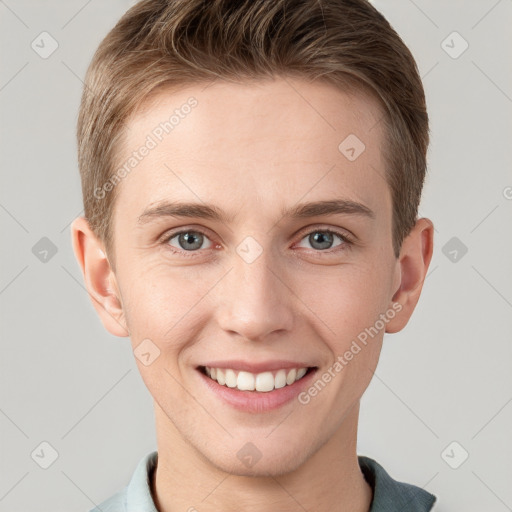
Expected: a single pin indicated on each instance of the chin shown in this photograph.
(250, 461)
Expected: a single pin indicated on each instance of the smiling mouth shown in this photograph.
(263, 382)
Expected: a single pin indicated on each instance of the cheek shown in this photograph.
(164, 311)
(346, 309)
(347, 300)
(161, 302)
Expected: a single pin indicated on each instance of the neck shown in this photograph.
(330, 480)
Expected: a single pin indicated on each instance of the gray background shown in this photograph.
(446, 378)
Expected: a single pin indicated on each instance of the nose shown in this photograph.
(255, 299)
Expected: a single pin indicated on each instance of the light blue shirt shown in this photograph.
(389, 495)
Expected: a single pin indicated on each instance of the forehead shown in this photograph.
(266, 144)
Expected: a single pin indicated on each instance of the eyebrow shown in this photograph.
(209, 211)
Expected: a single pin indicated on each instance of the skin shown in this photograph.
(253, 149)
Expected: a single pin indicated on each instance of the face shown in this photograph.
(252, 279)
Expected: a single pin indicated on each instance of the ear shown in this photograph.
(99, 278)
(411, 270)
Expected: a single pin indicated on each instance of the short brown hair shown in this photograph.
(178, 42)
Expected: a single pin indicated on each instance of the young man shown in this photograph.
(251, 174)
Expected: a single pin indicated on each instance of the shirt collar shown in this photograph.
(388, 494)
(138, 493)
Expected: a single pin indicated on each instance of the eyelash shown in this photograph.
(347, 241)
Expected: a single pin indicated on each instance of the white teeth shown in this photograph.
(230, 378)
(300, 373)
(245, 381)
(262, 382)
(290, 378)
(280, 379)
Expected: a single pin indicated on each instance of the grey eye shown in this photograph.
(322, 239)
(189, 240)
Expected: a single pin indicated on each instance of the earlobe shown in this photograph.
(414, 260)
(98, 277)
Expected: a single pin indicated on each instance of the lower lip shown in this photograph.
(257, 401)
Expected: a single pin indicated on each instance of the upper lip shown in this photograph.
(253, 367)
